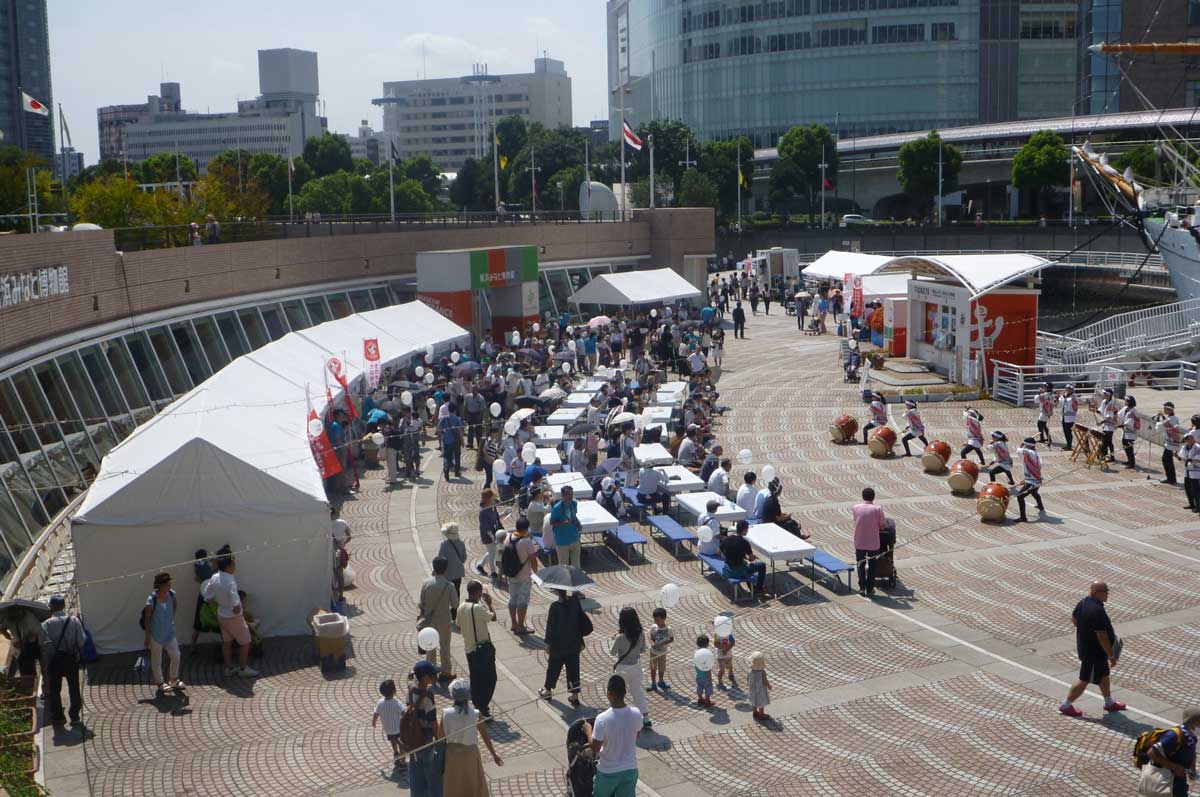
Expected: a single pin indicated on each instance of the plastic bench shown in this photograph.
(717, 565)
(627, 537)
(834, 567)
(674, 532)
(631, 497)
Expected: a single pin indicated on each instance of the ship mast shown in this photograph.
(1150, 48)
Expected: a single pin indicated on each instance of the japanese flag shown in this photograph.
(33, 106)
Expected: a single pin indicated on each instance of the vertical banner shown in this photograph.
(857, 301)
(334, 366)
(318, 441)
(371, 361)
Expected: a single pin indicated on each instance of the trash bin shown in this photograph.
(330, 630)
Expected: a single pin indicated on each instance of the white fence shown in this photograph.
(1138, 332)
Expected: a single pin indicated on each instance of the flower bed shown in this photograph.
(18, 724)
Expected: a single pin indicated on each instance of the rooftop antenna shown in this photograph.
(424, 68)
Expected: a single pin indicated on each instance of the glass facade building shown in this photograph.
(862, 67)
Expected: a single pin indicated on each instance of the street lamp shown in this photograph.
(561, 198)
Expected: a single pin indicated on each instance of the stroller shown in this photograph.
(852, 364)
(581, 767)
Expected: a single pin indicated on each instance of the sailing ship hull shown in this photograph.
(1181, 254)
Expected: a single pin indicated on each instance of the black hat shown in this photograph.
(1169, 405)
(1029, 441)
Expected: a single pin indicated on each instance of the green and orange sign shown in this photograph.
(501, 268)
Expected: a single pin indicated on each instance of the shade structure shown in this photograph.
(980, 274)
(230, 463)
(836, 265)
(636, 287)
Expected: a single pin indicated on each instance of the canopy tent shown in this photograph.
(980, 274)
(230, 462)
(836, 265)
(636, 287)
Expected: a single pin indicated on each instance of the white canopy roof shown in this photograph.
(636, 287)
(836, 265)
(980, 274)
(230, 462)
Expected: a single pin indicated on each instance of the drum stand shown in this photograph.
(1089, 445)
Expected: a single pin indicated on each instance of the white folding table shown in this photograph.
(565, 416)
(668, 398)
(652, 454)
(658, 414)
(579, 399)
(575, 480)
(682, 480)
(594, 518)
(550, 459)
(548, 435)
(696, 504)
(779, 545)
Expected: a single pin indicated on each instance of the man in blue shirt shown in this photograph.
(533, 474)
(589, 348)
(1176, 751)
(450, 429)
(707, 314)
(564, 519)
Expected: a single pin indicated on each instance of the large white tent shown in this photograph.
(230, 463)
(636, 287)
(835, 265)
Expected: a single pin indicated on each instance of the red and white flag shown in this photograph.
(371, 360)
(857, 302)
(318, 441)
(334, 367)
(33, 106)
(631, 137)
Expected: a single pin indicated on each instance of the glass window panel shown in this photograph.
(63, 470)
(403, 290)
(561, 288)
(172, 363)
(381, 297)
(339, 304)
(316, 309)
(24, 504)
(361, 301)
(12, 529)
(254, 328)
(55, 391)
(297, 317)
(128, 379)
(545, 298)
(232, 334)
(105, 383)
(44, 477)
(276, 326)
(94, 417)
(210, 340)
(189, 348)
(38, 412)
(147, 366)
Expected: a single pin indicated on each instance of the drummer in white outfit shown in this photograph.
(1130, 422)
(1031, 461)
(879, 415)
(973, 420)
(1003, 462)
(1107, 409)
(1045, 404)
(1168, 423)
(916, 427)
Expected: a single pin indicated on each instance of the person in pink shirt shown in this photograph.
(868, 522)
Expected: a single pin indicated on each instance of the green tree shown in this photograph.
(14, 187)
(411, 197)
(1141, 159)
(918, 170)
(161, 168)
(1041, 165)
(718, 161)
(555, 150)
(673, 142)
(421, 169)
(803, 148)
(104, 168)
(270, 171)
(696, 190)
(227, 198)
(571, 178)
(639, 193)
(328, 154)
(787, 182)
(112, 201)
(464, 191)
(328, 195)
(513, 132)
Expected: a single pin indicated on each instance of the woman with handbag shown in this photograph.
(566, 626)
(628, 645)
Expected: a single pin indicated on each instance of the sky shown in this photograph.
(118, 51)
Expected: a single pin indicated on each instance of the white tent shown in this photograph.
(980, 274)
(836, 265)
(636, 287)
(230, 463)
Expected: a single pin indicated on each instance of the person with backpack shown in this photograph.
(437, 601)
(158, 621)
(419, 728)
(566, 626)
(1172, 749)
(518, 562)
(222, 590)
(454, 551)
(61, 642)
(1097, 645)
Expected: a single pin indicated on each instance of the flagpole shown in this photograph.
(651, 140)
(496, 164)
(739, 185)
(291, 206)
(587, 177)
(392, 186)
(624, 191)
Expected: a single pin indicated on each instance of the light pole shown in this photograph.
(650, 141)
(533, 169)
(823, 167)
(562, 200)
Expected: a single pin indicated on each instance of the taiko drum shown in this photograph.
(993, 501)
(883, 439)
(963, 475)
(935, 456)
(843, 429)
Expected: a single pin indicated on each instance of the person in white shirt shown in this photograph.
(613, 738)
(718, 481)
(748, 493)
(697, 363)
(652, 488)
(1168, 422)
(1068, 405)
(1107, 411)
(222, 589)
(713, 546)
(1130, 422)
(1189, 454)
(1032, 464)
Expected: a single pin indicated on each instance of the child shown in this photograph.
(660, 638)
(390, 709)
(725, 661)
(760, 687)
(704, 687)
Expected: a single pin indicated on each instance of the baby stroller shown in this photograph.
(852, 364)
(581, 766)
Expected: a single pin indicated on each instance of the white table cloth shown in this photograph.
(565, 416)
(673, 387)
(578, 484)
(659, 414)
(652, 454)
(682, 480)
(777, 543)
(696, 504)
(594, 518)
(579, 399)
(550, 458)
(665, 398)
(548, 435)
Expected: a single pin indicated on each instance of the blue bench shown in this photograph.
(834, 567)
(631, 497)
(717, 565)
(672, 531)
(627, 537)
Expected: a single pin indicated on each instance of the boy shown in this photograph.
(725, 661)
(660, 638)
(704, 687)
(390, 709)
(613, 738)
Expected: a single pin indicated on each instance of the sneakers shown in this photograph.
(229, 672)
(247, 672)
(663, 686)
(1070, 711)
(1116, 705)
(653, 687)
(545, 694)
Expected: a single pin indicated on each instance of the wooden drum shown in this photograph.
(883, 438)
(963, 475)
(935, 457)
(843, 429)
(993, 501)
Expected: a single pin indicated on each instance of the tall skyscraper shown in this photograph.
(25, 65)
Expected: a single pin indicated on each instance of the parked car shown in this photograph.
(854, 218)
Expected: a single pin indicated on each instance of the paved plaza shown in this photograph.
(947, 685)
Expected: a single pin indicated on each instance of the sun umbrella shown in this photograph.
(535, 402)
(467, 369)
(564, 354)
(564, 577)
(581, 429)
(403, 385)
(387, 406)
(622, 417)
(11, 610)
(553, 393)
(521, 415)
(803, 295)
(600, 321)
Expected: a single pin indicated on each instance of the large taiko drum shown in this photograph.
(963, 475)
(935, 457)
(883, 439)
(993, 501)
(843, 429)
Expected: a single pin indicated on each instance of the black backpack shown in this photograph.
(153, 605)
(510, 560)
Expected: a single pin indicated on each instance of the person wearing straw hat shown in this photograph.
(454, 551)
(463, 727)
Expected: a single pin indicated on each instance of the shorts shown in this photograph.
(518, 592)
(234, 628)
(615, 784)
(394, 738)
(1093, 671)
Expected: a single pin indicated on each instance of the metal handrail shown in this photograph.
(1018, 384)
(33, 570)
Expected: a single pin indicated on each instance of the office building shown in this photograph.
(369, 144)
(596, 132)
(729, 68)
(67, 163)
(112, 119)
(279, 120)
(25, 65)
(450, 119)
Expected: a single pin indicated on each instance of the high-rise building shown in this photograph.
(112, 119)
(730, 67)
(67, 163)
(369, 144)
(25, 66)
(450, 119)
(279, 120)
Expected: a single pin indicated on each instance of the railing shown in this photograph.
(132, 239)
(1018, 384)
(1143, 331)
(33, 571)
